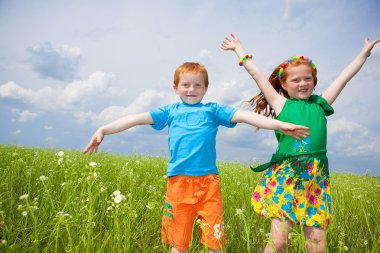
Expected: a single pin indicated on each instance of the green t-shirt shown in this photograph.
(311, 113)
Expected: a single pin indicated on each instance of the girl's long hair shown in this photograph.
(260, 104)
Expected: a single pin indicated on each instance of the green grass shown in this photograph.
(70, 205)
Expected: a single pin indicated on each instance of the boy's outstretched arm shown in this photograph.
(275, 100)
(261, 121)
(350, 71)
(115, 127)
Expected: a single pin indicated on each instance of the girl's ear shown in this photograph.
(283, 84)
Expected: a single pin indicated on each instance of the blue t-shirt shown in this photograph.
(191, 135)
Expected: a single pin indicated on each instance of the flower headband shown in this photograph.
(286, 63)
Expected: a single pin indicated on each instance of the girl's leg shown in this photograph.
(279, 233)
(315, 239)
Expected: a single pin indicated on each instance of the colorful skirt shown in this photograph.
(296, 189)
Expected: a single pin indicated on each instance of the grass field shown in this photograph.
(63, 201)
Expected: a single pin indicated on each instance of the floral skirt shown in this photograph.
(296, 189)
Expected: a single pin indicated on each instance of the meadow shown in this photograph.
(64, 201)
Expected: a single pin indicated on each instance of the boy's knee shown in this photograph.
(174, 250)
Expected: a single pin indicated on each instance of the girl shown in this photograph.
(295, 189)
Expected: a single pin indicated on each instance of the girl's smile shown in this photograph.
(299, 82)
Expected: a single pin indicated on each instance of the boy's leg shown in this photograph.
(315, 239)
(279, 233)
(179, 214)
(210, 213)
(174, 250)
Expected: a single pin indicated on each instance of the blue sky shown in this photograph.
(67, 67)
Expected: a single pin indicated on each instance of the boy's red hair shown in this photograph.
(192, 67)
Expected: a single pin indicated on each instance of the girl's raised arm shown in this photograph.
(275, 100)
(350, 71)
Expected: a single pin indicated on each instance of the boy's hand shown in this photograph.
(230, 43)
(294, 131)
(94, 143)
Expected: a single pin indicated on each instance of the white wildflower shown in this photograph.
(60, 153)
(92, 164)
(345, 248)
(43, 178)
(116, 193)
(4, 241)
(118, 199)
(60, 160)
(239, 211)
(95, 175)
(24, 213)
(365, 242)
(24, 196)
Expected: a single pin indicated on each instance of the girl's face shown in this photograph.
(191, 88)
(299, 82)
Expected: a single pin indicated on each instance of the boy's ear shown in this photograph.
(175, 87)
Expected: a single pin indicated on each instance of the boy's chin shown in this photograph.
(191, 102)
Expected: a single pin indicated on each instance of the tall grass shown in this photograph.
(63, 201)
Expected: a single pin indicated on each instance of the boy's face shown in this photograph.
(191, 88)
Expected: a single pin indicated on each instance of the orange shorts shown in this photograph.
(193, 200)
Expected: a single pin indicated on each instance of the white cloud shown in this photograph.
(47, 127)
(146, 101)
(16, 132)
(71, 96)
(205, 54)
(59, 62)
(26, 116)
(232, 93)
(51, 141)
(344, 125)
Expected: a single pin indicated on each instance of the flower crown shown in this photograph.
(294, 58)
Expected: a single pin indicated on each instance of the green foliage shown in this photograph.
(64, 201)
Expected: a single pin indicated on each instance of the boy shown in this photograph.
(193, 184)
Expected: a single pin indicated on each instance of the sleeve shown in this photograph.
(323, 103)
(223, 114)
(160, 117)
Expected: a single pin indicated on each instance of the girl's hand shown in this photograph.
(368, 45)
(94, 143)
(230, 43)
(294, 131)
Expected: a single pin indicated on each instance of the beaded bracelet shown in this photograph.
(244, 58)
